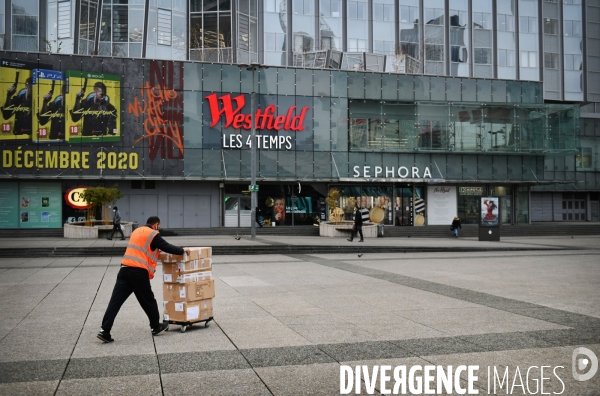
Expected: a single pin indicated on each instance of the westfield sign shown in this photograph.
(265, 119)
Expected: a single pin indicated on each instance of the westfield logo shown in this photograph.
(265, 119)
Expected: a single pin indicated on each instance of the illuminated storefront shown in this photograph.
(175, 138)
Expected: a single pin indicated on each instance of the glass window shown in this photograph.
(434, 16)
(573, 28)
(164, 27)
(573, 62)
(64, 19)
(483, 56)
(482, 20)
(528, 24)
(550, 26)
(506, 57)
(409, 14)
(528, 59)
(550, 60)
(506, 23)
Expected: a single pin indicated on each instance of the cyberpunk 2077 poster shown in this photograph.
(48, 106)
(92, 108)
(15, 99)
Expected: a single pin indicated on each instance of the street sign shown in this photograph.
(253, 187)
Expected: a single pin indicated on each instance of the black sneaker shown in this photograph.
(160, 328)
(361, 240)
(122, 239)
(349, 240)
(110, 239)
(105, 336)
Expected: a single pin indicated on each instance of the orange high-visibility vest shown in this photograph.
(138, 253)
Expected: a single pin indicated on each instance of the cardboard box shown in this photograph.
(187, 311)
(195, 254)
(172, 270)
(189, 291)
(190, 277)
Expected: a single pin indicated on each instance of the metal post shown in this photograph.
(253, 198)
(253, 193)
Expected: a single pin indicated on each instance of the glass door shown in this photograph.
(403, 208)
(238, 212)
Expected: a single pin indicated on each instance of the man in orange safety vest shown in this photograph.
(137, 268)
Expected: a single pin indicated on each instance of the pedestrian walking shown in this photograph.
(357, 225)
(116, 224)
(455, 226)
(137, 268)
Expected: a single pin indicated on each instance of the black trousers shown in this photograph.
(117, 227)
(136, 281)
(356, 229)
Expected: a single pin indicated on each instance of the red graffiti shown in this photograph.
(155, 122)
(162, 110)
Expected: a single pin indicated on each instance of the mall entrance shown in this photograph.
(238, 211)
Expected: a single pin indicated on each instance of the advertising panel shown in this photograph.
(441, 204)
(40, 205)
(490, 212)
(48, 106)
(9, 209)
(16, 85)
(93, 107)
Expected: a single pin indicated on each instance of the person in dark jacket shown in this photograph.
(357, 225)
(455, 226)
(137, 268)
(116, 224)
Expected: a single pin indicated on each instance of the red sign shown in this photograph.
(265, 119)
(74, 200)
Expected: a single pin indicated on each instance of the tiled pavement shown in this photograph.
(285, 323)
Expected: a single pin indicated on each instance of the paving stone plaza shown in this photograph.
(285, 324)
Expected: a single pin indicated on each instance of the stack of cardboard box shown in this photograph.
(188, 285)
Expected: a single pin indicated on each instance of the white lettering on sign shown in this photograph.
(402, 172)
(266, 142)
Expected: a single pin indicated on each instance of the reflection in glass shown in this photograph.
(506, 40)
(434, 39)
(331, 24)
(459, 38)
(275, 27)
(358, 33)
(482, 39)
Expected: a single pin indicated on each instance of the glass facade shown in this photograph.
(59, 27)
(275, 32)
(367, 120)
(25, 25)
(507, 39)
(461, 94)
(247, 36)
(210, 35)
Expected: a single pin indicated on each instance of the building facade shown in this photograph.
(485, 98)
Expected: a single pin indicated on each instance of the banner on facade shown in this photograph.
(93, 107)
(441, 204)
(48, 120)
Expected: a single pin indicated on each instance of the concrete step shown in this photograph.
(255, 250)
(435, 231)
